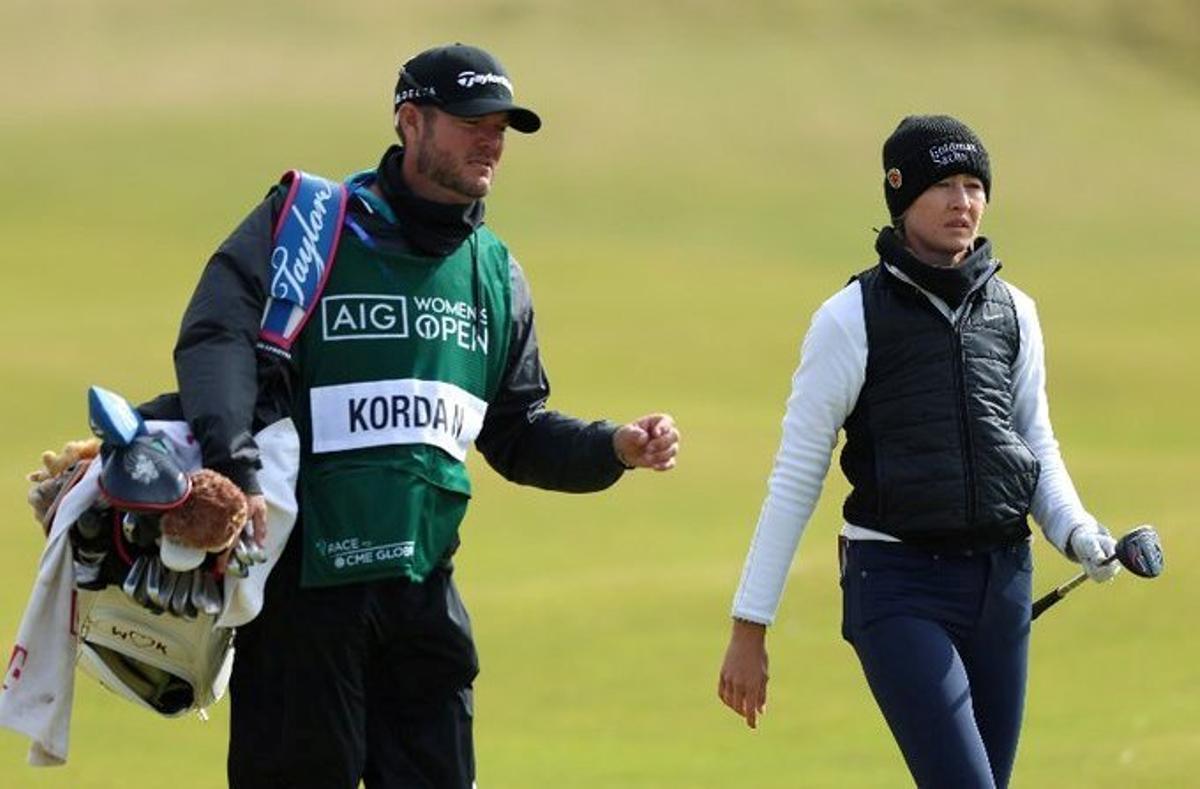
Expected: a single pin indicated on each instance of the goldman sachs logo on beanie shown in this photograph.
(948, 153)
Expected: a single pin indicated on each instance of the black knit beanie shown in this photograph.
(923, 150)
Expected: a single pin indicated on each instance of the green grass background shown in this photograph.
(708, 173)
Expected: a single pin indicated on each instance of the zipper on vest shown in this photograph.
(964, 421)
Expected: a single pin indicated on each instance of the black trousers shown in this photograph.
(367, 681)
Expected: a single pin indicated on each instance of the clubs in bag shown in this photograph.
(1139, 552)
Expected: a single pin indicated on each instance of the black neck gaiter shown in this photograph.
(436, 229)
(950, 284)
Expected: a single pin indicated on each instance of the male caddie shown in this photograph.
(395, 329)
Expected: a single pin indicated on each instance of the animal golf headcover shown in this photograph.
(58, 470)
(211, 518)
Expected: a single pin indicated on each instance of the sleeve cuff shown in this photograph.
(605, 430)
(245, 477)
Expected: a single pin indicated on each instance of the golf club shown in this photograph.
(236, 568)
(154, 582)
(135, 575)
(170, 579)
(212, 594)
(141, 594)
(1139, 552)
(180, 593)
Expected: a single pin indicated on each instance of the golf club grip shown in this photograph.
(1054, 595)
(1044, 602)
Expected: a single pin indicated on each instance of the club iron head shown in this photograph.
(141, 595)
(255, 552)
(91, 525)
(129, 526)
(241, 552)
(86, 573)
(170, 579)
(196, 601)
(134, 577)
(181, 593)
(236, 568)
(211, 598)
(154, 582)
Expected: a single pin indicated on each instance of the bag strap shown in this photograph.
(304, 248)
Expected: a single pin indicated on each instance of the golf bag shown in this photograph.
(146, 604)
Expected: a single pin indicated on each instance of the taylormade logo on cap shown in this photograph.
(469, 79)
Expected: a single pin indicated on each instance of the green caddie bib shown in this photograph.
(396, 368)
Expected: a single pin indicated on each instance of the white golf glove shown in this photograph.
(1092, 545)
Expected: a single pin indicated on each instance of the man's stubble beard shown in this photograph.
(438, 166)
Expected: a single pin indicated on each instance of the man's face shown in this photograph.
(941, 225)
(452, 159)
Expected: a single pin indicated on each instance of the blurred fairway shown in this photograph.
(705, 178)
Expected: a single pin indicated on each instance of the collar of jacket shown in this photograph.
(435, 229)
(951, 285)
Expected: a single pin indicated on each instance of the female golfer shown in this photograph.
(934, 368)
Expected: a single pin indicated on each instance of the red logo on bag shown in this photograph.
(15, 663)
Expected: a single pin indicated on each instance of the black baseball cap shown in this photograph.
(465, 81)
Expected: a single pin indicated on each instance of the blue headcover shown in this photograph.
(140, 471)
(113, 419)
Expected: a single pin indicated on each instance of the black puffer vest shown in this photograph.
(931, 451)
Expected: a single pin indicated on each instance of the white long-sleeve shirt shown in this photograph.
(825, 388)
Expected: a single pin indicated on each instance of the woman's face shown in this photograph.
(941, 225)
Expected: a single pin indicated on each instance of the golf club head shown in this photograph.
(129, 527)
(134, 577)
(1140, 552)
(92, 525)
(141, 595)
(236, 568)
(154, 582)
(181, 594)
(170, 579)
(196, 601)
(254, 552)
(211, 598)
(140, 528)
(241, 552)
(86, 572)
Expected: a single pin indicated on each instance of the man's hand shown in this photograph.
(257, 515)
(743, 683)
(649, 442)
(1093, 546)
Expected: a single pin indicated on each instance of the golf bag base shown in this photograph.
(167, 664)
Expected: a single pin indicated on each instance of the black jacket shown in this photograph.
(931, 451)
(228, 390)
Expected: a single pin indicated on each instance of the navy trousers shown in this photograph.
(943, 639)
